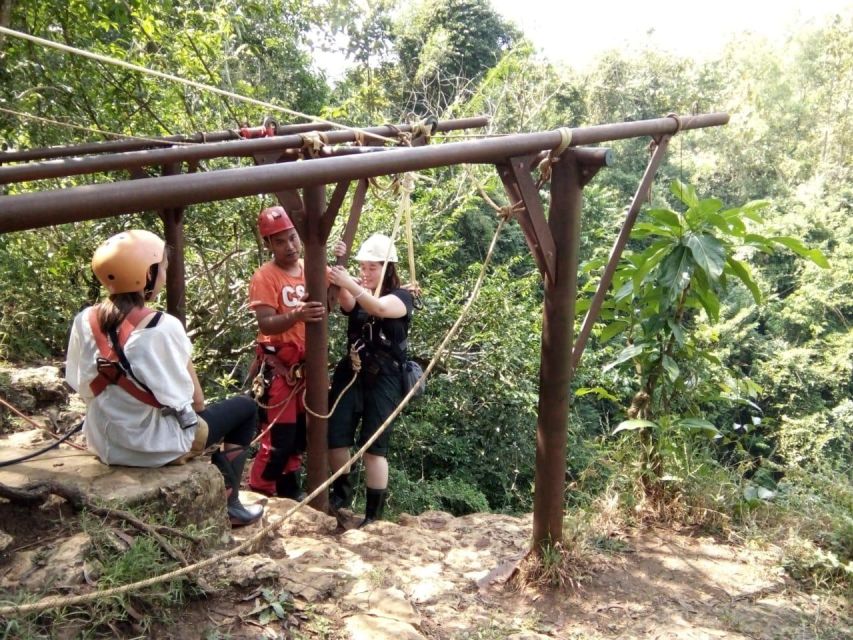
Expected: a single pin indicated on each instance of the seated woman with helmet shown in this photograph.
(377, 329)
(132, 367)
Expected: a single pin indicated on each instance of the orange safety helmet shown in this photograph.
(273, 220)
(122, 262)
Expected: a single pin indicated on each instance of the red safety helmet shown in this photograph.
(273, 220)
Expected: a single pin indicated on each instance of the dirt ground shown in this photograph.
(655, 583)
(437, 577)
(662, 585)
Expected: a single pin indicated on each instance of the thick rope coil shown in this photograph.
(422, 128)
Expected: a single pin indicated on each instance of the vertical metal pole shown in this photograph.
(555, 372)
(316, 345)
(173, 227)
(176, 298)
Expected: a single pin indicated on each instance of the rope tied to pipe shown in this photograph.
(313, 142)
(679, 124)
(424, 128)
(554, 156)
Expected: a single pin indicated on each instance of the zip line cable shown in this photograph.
(192, 83)
(29, 116)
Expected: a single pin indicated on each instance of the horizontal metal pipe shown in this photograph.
(233, 148)
(133, 144)
(29, 211)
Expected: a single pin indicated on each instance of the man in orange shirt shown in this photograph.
(277, 296)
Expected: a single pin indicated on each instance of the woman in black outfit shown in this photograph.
(378, 325)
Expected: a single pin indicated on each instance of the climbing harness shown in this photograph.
(113, 365)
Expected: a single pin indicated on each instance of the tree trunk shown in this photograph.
(5, 16)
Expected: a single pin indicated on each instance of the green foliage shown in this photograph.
(448, 494)
(686, 265)
(445, 45)
(272, 606)
(730, 350)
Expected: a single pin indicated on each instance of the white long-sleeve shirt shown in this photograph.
(119, 428)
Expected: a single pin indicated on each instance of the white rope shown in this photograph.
(168, 76)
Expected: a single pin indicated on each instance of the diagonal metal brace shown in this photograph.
(618, 246)
(521, 189)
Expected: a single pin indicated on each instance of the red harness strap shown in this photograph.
(110, 368)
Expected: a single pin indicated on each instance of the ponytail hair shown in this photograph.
(113, 310)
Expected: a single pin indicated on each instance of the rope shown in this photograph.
(274, 421)
(335, 405)
(313, 142)
(406, 185)
(421, 128)
(69, 125)
(356, 367)
(504, 212)
(407, 195)
(39, 426)
(678, 123)
(54, 602)
(24, 458)
(191, 83)
(554, 156)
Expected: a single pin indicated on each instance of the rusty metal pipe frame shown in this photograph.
(29, 211)
(233, 148)
(133, 144)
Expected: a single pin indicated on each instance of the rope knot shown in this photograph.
(554, 156)
(313, 142)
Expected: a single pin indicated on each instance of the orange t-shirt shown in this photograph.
(271, 286)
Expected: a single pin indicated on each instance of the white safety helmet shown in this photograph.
(377, 248)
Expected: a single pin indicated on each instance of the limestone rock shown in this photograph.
(33, 389)
(248, 571)
(367, 627)
(5, 540)
(383, 603)
(316, 569)
(51, 566)
(195, 491)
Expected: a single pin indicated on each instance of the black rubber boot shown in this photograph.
(374, 507)
(288, 485)
(342, 492)
(230, 463)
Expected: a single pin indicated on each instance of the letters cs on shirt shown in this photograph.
(291, 296)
